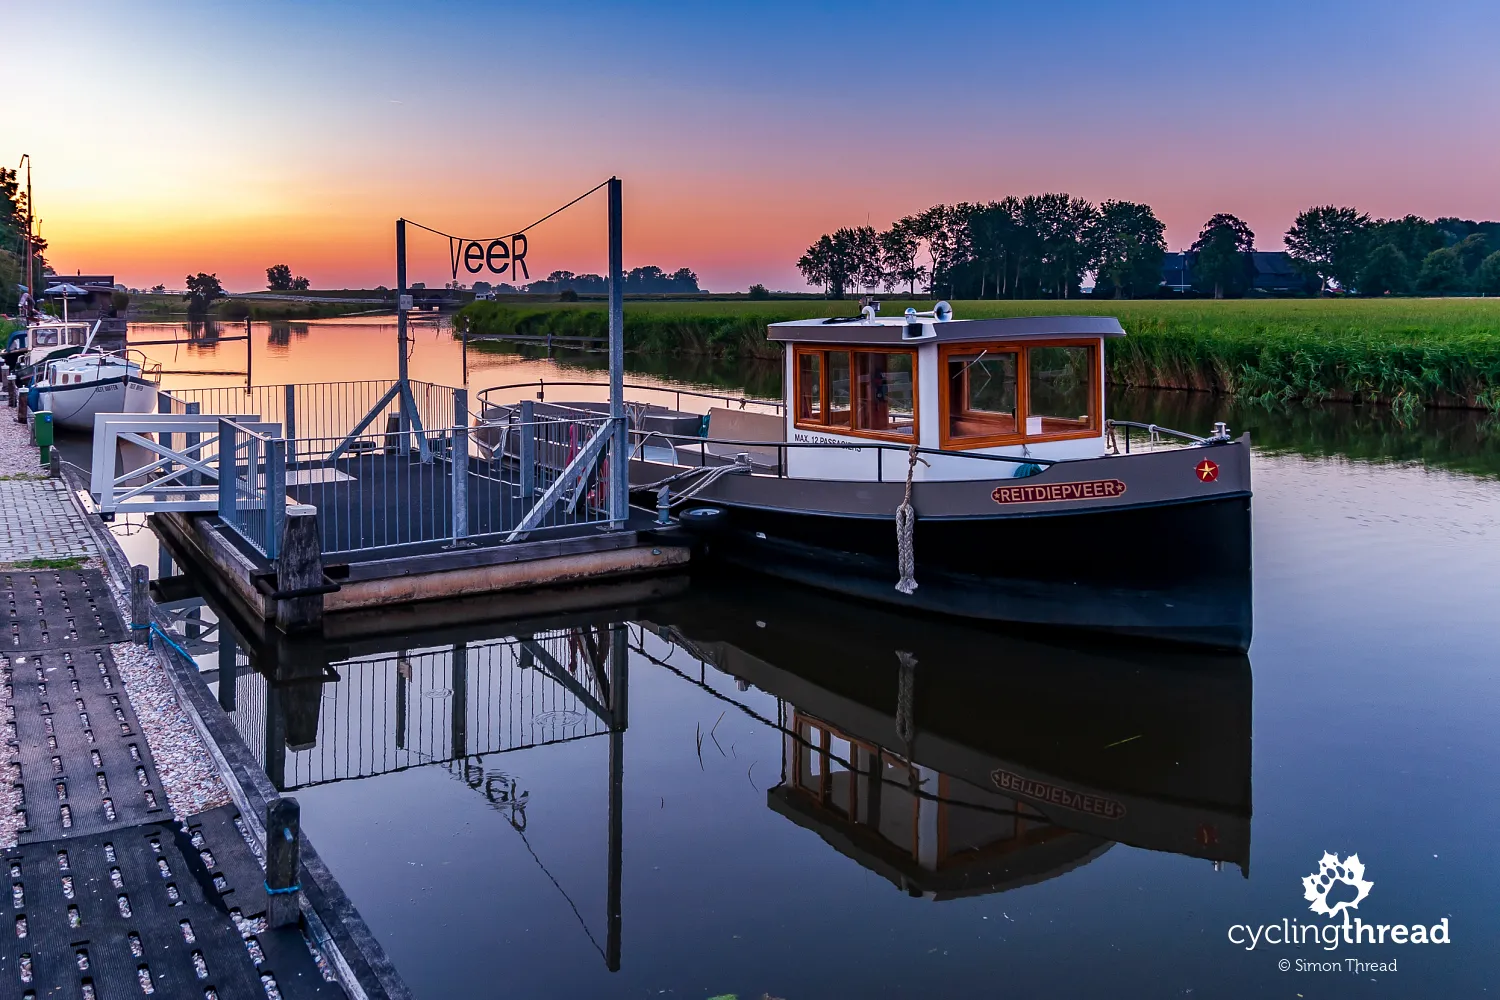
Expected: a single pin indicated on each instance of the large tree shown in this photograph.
(202, 289)
(1488, 278)
(279, 278)
(992, 234)
(1386, 271)
(1442, 272)
(1129, 243)
(1224, 247)
(1329, 242)
(830, 263)
(899, 247)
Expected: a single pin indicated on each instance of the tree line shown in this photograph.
(647, 280)
(1345, 249)
(1039, 246)
(1043, 246)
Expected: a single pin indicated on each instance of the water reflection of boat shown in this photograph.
(957, 760)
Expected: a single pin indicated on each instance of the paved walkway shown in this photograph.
(39, 521)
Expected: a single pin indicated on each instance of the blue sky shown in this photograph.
(299, 131)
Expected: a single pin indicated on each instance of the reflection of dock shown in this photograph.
(374, 715)
(314, 712)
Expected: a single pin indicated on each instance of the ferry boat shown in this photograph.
(1028, 504)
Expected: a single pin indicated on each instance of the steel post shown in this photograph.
(403, 444)
(164, 405)
(619, 464)
(460, 463)
(275, 494)
(289, 425)
(228, 446)
(191, 442)
(527, 450)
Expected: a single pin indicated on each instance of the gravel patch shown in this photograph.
(10, 805)
(18, 456)
(187, 771)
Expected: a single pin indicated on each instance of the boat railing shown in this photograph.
(1154, 434)
(689, 444)
(542, 385)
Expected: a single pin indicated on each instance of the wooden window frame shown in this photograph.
(1023, 394)
(850, 430)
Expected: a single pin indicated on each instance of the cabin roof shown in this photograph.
(892, 329)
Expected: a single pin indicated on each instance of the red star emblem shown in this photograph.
(1207, 471)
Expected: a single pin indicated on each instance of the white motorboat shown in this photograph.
(50, 338)
(77, 387)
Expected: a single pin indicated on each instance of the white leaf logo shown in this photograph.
(1331, 871)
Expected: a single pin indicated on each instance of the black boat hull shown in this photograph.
(1177, 572)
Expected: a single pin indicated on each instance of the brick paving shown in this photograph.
(38, 520)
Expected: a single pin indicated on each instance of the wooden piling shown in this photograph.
(140, 604)
(299, 568)
(283, 858)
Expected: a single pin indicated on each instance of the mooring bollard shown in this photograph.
(140, 604)
(664, 505)
(283, 858)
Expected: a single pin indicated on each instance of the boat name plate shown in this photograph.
(1097, 489)
(1057, 795)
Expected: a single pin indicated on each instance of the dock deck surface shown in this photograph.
(108, 894)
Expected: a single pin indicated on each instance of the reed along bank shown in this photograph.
(1406, 352)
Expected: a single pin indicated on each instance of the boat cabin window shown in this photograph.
(862, 391)
(44, 338)
(1060, 382)
(1009, 393)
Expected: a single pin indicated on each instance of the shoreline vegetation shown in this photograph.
(1407, 353)
(147, 306)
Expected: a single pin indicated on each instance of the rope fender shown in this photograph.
(906, 521)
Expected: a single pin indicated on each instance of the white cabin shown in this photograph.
(1028, 387)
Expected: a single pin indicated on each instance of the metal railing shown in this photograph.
(542, 385)
(709, 452)
(252, 503)
(534, 477)
(1154, 435)
(322, 409)
(379, 477)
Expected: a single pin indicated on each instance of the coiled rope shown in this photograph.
(705, 477)
(906, 520)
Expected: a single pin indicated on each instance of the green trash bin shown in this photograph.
(41, 433)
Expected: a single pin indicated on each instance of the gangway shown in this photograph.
(138, 467)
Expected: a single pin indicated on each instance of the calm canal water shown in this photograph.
(791, 796)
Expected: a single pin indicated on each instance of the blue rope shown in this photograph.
(157, 630)
(282, 892)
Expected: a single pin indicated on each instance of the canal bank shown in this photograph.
(136, 849)
(1372, 698)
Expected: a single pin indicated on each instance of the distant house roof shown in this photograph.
(1274, 271)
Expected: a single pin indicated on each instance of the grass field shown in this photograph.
(1406, 352)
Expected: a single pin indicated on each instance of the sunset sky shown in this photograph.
(176, 137)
